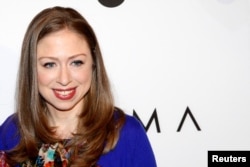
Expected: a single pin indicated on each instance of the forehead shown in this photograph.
(63, 42)
(63, 34)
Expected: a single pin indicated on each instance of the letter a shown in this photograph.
(191, 116)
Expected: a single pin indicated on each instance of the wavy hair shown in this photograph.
(100, 121)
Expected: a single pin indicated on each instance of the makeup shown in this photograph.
(65, 94)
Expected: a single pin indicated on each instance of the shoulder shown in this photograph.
(9, 125)
(133, 131)
(133, 147)
(131, 123)
(9, 133)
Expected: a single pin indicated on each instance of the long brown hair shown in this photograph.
(100, 121)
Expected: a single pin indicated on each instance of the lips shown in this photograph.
(64, 94)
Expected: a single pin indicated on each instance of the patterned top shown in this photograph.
(49, 155)
(2, 159)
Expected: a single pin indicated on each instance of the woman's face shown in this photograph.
(64, 68)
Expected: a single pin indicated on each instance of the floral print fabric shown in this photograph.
(50, 155)
(2, 160)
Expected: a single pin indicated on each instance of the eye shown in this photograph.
(77, 63)
(49, 65)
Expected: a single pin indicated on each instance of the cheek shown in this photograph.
(44, 78)
(84, 77)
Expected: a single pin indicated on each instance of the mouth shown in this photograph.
(64, 94)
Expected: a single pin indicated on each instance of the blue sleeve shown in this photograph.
(143, 154)
(9, 137)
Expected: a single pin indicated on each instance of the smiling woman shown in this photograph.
(65, 113)
(64, 71)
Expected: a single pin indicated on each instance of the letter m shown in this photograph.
(153, 117)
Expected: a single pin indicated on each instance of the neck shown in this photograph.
(65, 122)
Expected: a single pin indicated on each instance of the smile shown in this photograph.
(66, 94)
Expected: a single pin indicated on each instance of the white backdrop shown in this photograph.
(161, 56)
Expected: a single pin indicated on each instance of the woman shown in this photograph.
(65, 110)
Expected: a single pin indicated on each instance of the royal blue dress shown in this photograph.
(132, 150)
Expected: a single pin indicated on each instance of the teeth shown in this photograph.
(64, 93)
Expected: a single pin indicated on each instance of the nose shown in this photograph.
(64, 76)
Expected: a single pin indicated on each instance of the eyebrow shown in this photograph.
(55, 58)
